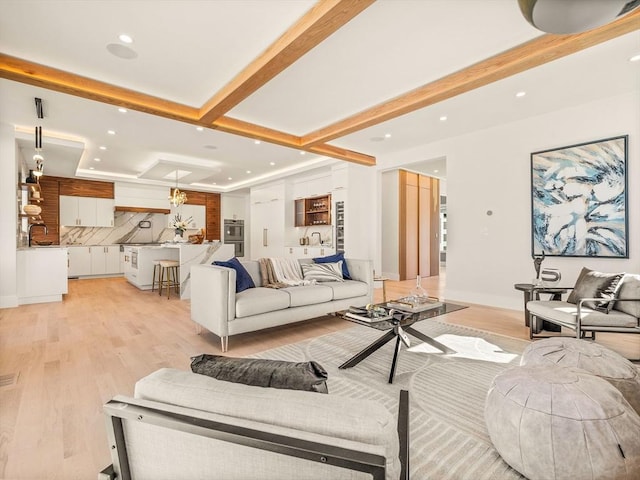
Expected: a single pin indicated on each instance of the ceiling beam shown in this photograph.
(19, 70)
(23, 71)
(523, 57)
(316, 25)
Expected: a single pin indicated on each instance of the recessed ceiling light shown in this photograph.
(91, 168)
(102, 147)
(97, 159)
(521, 94)
(443, 118)
(248, 171)
(124, 38)
(257, 142)
(387, 135)
(213, 183)
(200, 129)
(122, 110)
(121, 51)
(635, 58)
(111, 132)
(435, 171)
(272, 163)
(302, 153)
(229, 178)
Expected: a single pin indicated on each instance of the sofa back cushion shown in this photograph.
(630, 288)
(253, 267)
(243, 279)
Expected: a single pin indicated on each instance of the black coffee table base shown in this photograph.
(395, 332)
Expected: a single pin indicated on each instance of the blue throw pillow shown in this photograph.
(333, 259)
(243, 279)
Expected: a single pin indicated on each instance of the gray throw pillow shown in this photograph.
(308, 376)
(592, 284)
(323, 272)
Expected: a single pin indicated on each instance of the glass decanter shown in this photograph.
(418, 292)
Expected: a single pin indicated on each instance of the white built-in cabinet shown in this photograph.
(94, 260)
(308, 252)
(267, 220)
(198, 214)
(86, 211)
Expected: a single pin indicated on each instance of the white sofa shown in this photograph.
(216, 306)
(185, 426)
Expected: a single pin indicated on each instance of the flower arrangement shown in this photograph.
(179, 224)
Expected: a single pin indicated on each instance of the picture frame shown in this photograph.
(579, 200)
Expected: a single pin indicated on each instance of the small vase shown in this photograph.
(418, 291)
(179, 232)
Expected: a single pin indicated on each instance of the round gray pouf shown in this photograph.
(589, 356)
(551, 422)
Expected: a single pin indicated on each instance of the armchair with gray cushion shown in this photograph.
(186, 426)
(598, 303)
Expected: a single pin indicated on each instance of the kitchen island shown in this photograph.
(139, 266)
(42, 274)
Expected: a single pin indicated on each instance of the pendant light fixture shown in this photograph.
(177, 197)
(38, 158)
(573, 16)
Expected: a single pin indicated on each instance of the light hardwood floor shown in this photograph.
(60, 362)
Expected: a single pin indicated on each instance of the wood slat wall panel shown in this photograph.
(194, 198)
(50, 211)
(212, 202)
(86, 188)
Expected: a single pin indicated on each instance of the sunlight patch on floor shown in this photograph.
(468, 347)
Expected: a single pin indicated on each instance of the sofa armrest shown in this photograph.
(213, 297)
(362, 270)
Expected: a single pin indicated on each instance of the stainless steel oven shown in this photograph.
(234, 234)
(233, 230)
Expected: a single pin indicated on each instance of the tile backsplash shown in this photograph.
(126, 229)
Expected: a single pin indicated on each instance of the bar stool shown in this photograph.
(169, 276)
(156, 276)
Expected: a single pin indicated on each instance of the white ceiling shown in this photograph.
(187, 50)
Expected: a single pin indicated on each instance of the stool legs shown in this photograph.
(157, 269)
(169, 277)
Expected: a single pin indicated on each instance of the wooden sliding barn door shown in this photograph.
(419, 225)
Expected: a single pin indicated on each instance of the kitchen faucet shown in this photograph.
(319, 237)
(36, 225)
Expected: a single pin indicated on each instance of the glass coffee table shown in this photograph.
(398, 328)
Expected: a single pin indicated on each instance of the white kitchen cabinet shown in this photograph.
(41, 275)
(104, 212)
(79, 261)
(267, 221)
(86, 211)
(198, 214)
(308, 252)
(94, 260)
(105, 260)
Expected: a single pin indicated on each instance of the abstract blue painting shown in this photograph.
(579, 200)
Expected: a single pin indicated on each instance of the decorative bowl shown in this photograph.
(32, 209)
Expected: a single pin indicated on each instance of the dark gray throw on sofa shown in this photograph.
(308, 376)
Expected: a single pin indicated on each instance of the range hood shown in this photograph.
(142, 209)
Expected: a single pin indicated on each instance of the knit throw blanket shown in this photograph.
(282, 272)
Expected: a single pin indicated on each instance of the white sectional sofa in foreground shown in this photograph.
(216, 306)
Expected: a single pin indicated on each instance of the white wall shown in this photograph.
(8, 216)
(490, 170)
(390, 225)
